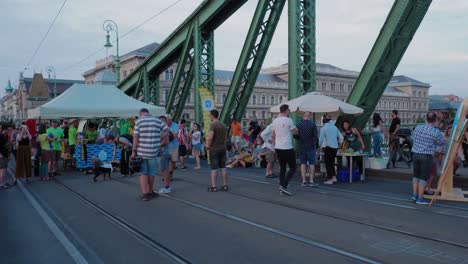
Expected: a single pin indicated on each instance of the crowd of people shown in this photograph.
(158, 143)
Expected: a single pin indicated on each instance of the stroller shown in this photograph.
(402, 143)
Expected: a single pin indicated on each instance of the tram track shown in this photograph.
(261, 180)
(134, 231)
(334, 216)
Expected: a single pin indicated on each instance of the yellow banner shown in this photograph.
(208, 104)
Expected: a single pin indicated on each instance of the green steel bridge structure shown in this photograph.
(191, 47)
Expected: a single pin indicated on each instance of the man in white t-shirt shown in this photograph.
(282, 132)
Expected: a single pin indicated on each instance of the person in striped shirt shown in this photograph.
(148, 133)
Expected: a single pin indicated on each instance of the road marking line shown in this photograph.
(66, 243)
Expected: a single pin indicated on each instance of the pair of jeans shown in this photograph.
(286, 157)
(329, 156)
(377, 139)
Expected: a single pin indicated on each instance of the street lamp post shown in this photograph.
(49, 70)
(108, 26)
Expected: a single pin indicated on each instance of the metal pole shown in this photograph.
(110, 25)
(55, 85)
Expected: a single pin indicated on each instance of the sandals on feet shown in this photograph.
(225, 188)
(212, 189)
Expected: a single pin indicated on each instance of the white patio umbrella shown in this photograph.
(318, 103)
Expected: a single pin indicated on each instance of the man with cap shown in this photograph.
(147, 136)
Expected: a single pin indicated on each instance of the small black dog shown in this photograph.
(97, 170)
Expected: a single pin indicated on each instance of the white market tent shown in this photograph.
(92, 101)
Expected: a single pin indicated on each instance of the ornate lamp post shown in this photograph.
(49, 70)
(108, 26)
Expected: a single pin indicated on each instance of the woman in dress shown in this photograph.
(23, 154)
(196, 144)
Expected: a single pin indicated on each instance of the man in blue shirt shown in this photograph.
(308, 139)
(330, 139)
(427, 139)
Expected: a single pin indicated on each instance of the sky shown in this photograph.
(346, 31)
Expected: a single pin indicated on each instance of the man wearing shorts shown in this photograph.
(216, 145)
(56, 133)
(164, 160)
(173, 145)
(236, 134)
(308, 141)
(147, 136)
(427, 139)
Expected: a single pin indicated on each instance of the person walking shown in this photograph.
(283, 129)
(23, 154)
(378, 134)
(164, 160)
(308, 141)
(427, 140)
(56, 133)
(173, 145)
(393, 139)
(236, 134)
(330, 140)
(269, 151)
(196, 144)
(147, 136)
(216, 145)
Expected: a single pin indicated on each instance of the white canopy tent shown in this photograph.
(92, 101)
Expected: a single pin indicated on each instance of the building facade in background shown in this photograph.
(31, 93)
(410, 97)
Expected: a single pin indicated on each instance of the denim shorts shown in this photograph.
(164, 161)
(197, 147)
(149, 167)
(310, 157)
(218, 159)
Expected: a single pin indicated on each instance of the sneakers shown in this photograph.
(312, 184)
(414, 197)
(146, 197)
(284, 191)
(422, 201)
(165, 190)
(304, 184)
(331, 181)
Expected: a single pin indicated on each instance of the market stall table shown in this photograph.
(350, 164)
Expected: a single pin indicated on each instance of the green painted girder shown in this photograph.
(393, 40)
(262, 28)
(209, 15)
(181, 76)
(301, 50)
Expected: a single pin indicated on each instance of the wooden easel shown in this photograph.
(445, 185)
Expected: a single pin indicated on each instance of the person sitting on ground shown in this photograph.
(244, 159)
(259, 151)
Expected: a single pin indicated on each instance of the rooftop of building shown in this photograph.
(402, 80)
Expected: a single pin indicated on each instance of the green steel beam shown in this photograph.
(209, 15)
(145, 87)
(301, 52)
(393, 40)
(181, 74)
(139, 85)
(197, 46)
(262, 28)
(207, 60)
(155, 91)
